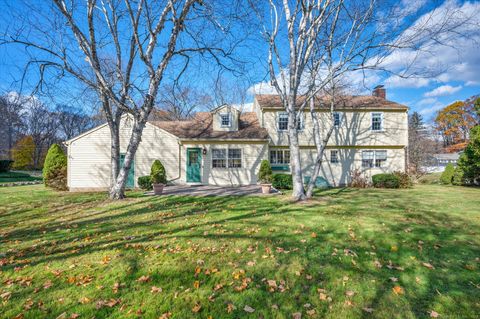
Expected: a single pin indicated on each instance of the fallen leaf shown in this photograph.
(196, 284)
(155, 290)
(428, 265)
(367, 309)
(313, 235)
(248, 309)
(47, 284)
(144, 279)
(398, 290)
(230, 308)
(165, 315)
(434, 314)
(297, 315)
(196, 308)
(350, 293)
(394, 248)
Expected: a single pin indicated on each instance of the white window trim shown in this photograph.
(374, 159)
(229, 114)
(283, 156)
(278, 121)
(340, 119)
(338, 159)
(227, 158)
(382, 126)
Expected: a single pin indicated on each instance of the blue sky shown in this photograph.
(456, 66)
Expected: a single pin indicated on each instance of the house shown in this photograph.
(225, 146)
(437, 162)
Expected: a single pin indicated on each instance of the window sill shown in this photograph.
(378, 131)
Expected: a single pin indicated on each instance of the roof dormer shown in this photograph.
(225, 118)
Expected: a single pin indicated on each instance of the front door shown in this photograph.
(131, 173)
(194, 158)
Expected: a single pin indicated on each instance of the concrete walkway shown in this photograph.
(209, 190)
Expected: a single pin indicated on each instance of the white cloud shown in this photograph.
(432, 109)
(443, 90)
(427, 101)
(396, 81)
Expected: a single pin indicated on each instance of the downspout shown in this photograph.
(179, 162)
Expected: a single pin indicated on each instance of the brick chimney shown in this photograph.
(379, 91)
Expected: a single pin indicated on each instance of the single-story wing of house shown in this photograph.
(225, 146)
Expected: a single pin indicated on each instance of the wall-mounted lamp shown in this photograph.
(204, 151)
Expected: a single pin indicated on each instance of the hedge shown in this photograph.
(5, 165)
(55, 168)
(145, 182)
(447, 174)
(385, 181)
(282, 181)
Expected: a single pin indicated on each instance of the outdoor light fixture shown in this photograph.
(204, 151)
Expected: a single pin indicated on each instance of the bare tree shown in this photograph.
(121, 50)
(11, 124)
(313, 44)
(71, 121)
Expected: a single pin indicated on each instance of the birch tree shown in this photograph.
(120, 49)
(314, 44)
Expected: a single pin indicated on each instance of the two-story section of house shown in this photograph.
(225, 146)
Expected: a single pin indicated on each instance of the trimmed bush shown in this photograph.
(457, 178)
(265, 172)
(358, 179)
(157, 173)
(282, 181)
(55, 168)
(447, 174)
(5, 165)
(405, 181)
(385, 181)
(145, 182)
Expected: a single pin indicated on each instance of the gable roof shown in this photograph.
(360, 102)
(201, 127)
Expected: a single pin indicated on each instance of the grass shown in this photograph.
(10, 177)
(348, 254)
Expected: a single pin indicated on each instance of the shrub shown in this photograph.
(23, 153)
(55, 168)
(404, 179)
(385, 181)
(357, 179)
(157, 173)
(469, 161)
(282, 181)
(265, 172)
(5, 165)
(457, 178)
(145, 182)
(447, 174)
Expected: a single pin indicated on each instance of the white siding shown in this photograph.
(89, 155)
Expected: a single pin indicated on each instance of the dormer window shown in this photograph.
(226, 119)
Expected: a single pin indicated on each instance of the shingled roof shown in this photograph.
(201, 127)
(343, 102)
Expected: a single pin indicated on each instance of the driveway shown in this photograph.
(210, 190)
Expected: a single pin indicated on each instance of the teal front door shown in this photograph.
(194, 159)
(131, 173)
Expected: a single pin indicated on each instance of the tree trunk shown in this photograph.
(115, 192)
(118, 188)
(298, 192)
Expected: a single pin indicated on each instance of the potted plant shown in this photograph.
(265, 176)
(158, 177)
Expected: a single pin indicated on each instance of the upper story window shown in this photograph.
(374, 158)
(336, 119)
(282, 121)
(225, 119)
(334, 157)
(377, 121)
(223, 158)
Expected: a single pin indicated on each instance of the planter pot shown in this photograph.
(266, 188)
(158, 189)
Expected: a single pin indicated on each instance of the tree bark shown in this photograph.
(298, 192)
(115, 191)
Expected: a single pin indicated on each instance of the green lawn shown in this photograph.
(9, 177)
(348, 254)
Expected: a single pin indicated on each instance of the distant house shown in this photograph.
(226, 146)
(437, 162)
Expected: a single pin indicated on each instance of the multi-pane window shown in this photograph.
(219, 158)
(234, 158)
(374, 158)
(336, 119)
(377, 119)
(334, 156)
(282, 121)
(280, 157)
(225, 119)
(223, 158)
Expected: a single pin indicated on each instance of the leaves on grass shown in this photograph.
(434, 314)
(155, 290)
(144, 279)
(196, 308)
(398, 290)
(248, 309)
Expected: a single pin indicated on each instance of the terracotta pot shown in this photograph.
(266, 188)
(158, 189)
